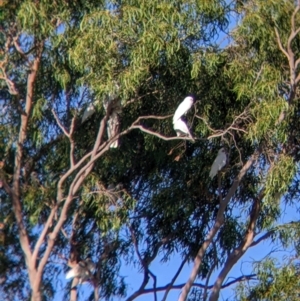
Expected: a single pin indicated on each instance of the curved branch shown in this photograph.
(171, 284)
(199, 285)
(271, 232)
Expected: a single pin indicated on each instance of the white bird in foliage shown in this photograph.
(113, 128)
(88, 112)
(182, 129)
(83, 270)
(219, 162)
(112, 106)
(186, 104)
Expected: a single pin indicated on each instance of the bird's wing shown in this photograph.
(88, 112)
(213, 170)
(113, 128)
(223, 159)
(71, 273)
(182, 109)
(181, 127)
(218, 164)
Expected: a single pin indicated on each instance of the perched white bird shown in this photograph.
(113, 128)
(219, 162)
(88, 112)
(181, 128)
(184, 107)
(83, 270)
(113, 106)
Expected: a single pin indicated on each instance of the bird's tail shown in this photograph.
(70, 274)
(115, 144)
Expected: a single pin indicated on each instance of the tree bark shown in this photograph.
(34, 279)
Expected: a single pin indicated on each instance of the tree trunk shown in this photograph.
(36, 295)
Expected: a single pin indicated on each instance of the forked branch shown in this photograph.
(239, 251)
(218, 223)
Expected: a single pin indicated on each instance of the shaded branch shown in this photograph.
(171, 284)
(199, 285)
(144, 265)
(244, 116)
(271, 232)
(145, 262)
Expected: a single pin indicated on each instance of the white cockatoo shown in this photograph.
(186, 104)
(219, 162)
(179, 124)
(112, 105)
(182, 129)
(88, 112)
(113, 128)
(83, 270)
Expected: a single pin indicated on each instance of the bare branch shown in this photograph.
(19, 49)
(244, 116)
(52, 236)
(280, 43)
(143, 129)
(72, 143)
(200, 285)
(5, 185)
(60, 124)
(294, 31)
(271, 232)
(290, 55)
(142, 262)
(154, 284)
(145, 262)
(171, 284)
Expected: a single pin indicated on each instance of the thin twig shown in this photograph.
(60, 124)
(170, 285)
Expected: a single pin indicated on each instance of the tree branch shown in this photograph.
(16, 197)
(290, 55)
(171, 284)
(239, 251)
(44, 233)
(60, 124)
(218, 223)
(244, 116)
(145, 262)
(271, 232)
(200, 285)
(209, 273)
